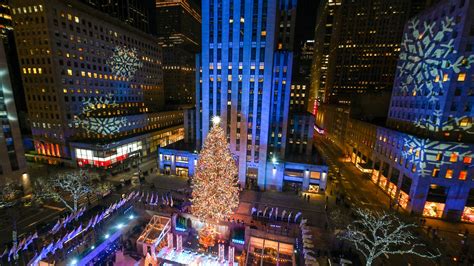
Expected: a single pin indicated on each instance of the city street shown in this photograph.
(361, 192)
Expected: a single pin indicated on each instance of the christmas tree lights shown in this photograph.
(215, 193)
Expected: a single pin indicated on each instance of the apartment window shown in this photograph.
(449, 174)
(69, 72)
(463, 175)
(439, 156)
(462, 76)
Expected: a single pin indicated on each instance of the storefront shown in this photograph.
(468, 214)
(433, 209)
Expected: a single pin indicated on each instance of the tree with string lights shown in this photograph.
(215, 192)
(375, 234)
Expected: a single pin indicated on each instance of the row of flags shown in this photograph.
(61, 223)
(154, 198)
(22, 245)
(93, 221)
(273, 213)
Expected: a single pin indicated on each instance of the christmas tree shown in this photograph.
(215, 192)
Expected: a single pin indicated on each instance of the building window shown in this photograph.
(449, 174)
(467, 159)
(463, 175)
(439, 156)
(454, 157)
(69, 72)
(435, 172)
(462, 76)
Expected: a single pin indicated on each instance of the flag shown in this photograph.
(276, 213)
(163, 199)
(171, 200)
(5, 252)
(95, 220)
(152, 198)
(147, 196)
(297, 216)
(166, 202)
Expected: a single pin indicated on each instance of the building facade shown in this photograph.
(136, 13)
(360, 46)
(244, 77)
(88, 77)
(178, 24)
(12, 155)
(327, 13)
(423, 159)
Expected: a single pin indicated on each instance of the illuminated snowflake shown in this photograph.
(124, 62)
(422, 152)
(425, 59)
(99, 125)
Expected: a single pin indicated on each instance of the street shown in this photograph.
(361, 192)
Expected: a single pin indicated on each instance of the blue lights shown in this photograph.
(131, 217)
(237, 241)
(106, 236)
(119, 226)
(180, 229)
(74, 262)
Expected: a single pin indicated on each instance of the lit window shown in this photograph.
(463, 175)
(462, 76)
(437, 79)
(76, 19)
(64, 90)
(464, 122)
(435, 172)
(449, 174)
(242, 20)
(439, 156)
(413, 168)
(445, 77)
(264, 33)
(467, 159)
(69, 72)
(454, 157)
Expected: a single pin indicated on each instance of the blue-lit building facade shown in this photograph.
(423, 160)
(244, 78)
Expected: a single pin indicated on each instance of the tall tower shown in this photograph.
(245, 76)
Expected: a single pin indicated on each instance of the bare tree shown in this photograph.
(376, 233)
(65, 188)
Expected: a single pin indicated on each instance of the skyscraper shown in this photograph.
(12, 155)
(322, 44)
(245, 70)
(357, 44)
(93, 85)
(178, 24)
(137, 13)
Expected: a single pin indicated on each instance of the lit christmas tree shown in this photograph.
(215, 192)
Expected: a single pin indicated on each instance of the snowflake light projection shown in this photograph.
(99, 125)
(424, 151)
(124, 62)
(425, 59)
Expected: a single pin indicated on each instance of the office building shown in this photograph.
(325, 20)
(244, 77)
(357, 44)
(178, 24)
(92, 83)
(12, 155)
(137, 13)
(423, 159)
